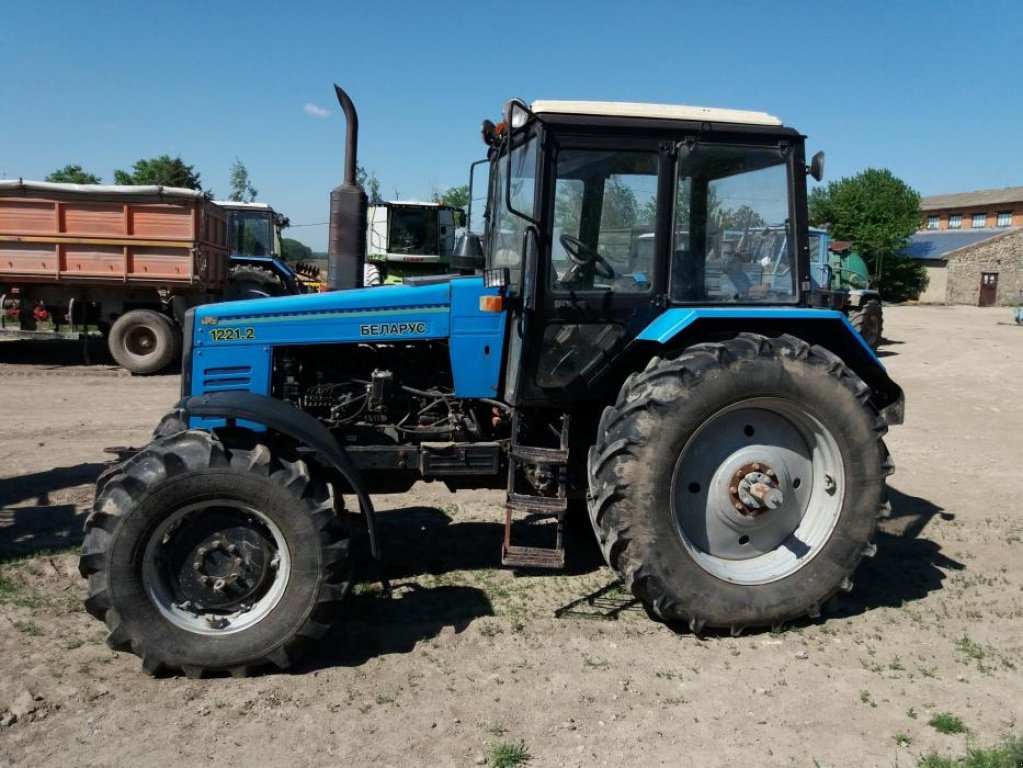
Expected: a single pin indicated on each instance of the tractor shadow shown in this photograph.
(907, 567)
(44, 526)
(884, 347)
(65, 353)
(422, 544)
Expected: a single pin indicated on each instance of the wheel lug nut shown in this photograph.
(231, 548)
(202, 551)
(733, 489)
(237, 561)
(756, 467)
(196, 565)
(738, 507)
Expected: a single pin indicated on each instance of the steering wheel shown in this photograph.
(584, 257)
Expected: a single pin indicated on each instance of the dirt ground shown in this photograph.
(464, 657)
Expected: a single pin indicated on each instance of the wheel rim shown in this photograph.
(140, 341)
(757, 491)
(216, 567)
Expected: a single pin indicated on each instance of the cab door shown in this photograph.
(600, 280)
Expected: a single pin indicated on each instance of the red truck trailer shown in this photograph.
(128, 261)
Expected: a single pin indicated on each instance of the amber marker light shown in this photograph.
(491, 303)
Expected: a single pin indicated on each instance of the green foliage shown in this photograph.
(242, 190)
(370, 183)
(1008, 754)
(456, 197)
(293, 250)
(742, 218)
(946, 722)
(508, 755)
(73, 174)
(619, 207)
(163, 170)
(877, 212)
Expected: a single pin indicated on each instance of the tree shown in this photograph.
(293, 250)
(877, 212)
(370, 183)
(743, 218)
(242, 190)
(73, 174)
(164, 171)
(456, 197)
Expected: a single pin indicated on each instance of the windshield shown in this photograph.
(250, 233)
(505, 229)
(733, 229)
(413, 230)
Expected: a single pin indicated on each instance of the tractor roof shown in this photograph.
(662, 111)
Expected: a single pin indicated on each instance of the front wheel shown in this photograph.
(739, 484)
(202, 557)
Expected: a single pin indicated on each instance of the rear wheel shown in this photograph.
(249, 282)
(144, 341)
(868, 320)
(740, 483)
(203, 558)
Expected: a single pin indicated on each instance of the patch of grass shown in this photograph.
(1008, 754)
(903, 739)
(30, 628)
(970, 648)
(947, 723)
(595, 663)
(896, 665)
(866, 698)
(17, 594)
(489, 629)
(384, 699)
(507, 754)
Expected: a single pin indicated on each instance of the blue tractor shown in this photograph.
(616, 357)
(254, 240)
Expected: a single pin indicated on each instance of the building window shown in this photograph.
(955, 221)
(1004, 218)
(932, 222)
(979, 220)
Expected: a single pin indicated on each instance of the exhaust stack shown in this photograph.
(346, 246)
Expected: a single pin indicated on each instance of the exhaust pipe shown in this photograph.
(346, 245)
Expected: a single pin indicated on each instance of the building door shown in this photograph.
(988, 288)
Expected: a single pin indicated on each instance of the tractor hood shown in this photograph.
(230, 346)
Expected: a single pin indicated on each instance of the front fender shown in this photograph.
(287, 420)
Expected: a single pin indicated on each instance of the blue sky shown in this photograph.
(930, 90)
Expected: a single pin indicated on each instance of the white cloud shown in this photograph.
(314, 111)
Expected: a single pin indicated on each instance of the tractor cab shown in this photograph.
(602, 216)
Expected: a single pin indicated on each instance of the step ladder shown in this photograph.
(528, 502)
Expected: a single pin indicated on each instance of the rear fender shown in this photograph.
(287, 420)
(681, 327)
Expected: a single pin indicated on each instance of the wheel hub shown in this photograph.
(222, 569)
(755, 489)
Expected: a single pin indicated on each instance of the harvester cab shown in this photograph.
(636, 348)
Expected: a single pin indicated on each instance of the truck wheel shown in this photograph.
(249, 282)
(207, 558)
(869, 321)
(144, 341)
(739, 484)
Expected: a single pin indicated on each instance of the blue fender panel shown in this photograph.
(672, 322)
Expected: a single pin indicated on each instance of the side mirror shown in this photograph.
(816, 167)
